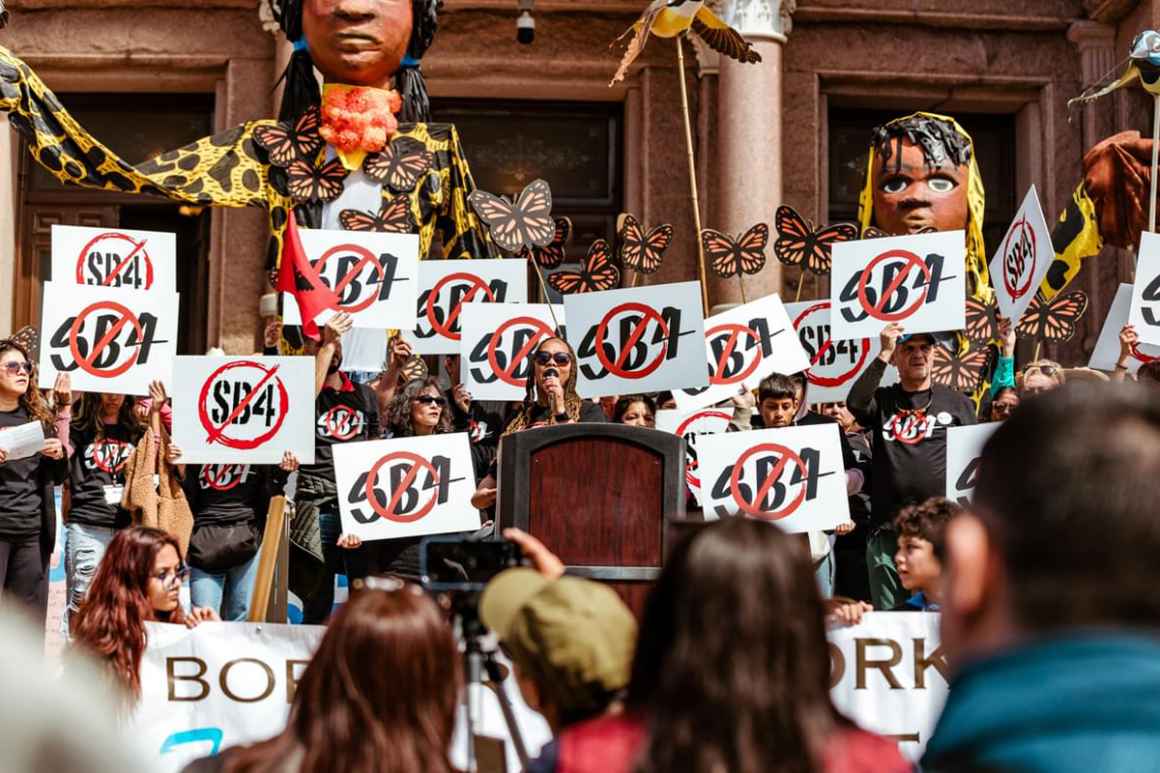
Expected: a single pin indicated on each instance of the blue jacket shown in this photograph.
(1082, 703)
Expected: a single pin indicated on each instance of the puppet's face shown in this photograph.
(910, 197)
(357, 42)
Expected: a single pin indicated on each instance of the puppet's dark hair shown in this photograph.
(302, 91)
(3, 16)
(938, 140)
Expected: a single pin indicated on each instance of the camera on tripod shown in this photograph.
(458, 564)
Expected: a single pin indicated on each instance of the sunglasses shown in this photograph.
(177, 576)
(15, 368)
(1046, 370)
(429, 400)
(560, 358)
(1003, 409)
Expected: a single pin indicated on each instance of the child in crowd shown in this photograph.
(921, 551)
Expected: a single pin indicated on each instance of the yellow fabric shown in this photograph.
(1080, 218)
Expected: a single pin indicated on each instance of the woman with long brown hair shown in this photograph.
(139, 581)
(379, 695)
(419, 408)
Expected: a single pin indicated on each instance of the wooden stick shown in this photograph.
(1155, 160)
(1037, 345)
(267, 559)
(801, 281)
(547, 298)
(693, 176)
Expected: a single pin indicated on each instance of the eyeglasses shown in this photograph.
(429, 400)
(1004, 409)
(1047, 370)
(560, 358)
(174, 577)
(15, 368)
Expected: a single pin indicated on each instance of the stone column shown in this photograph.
(749, 138)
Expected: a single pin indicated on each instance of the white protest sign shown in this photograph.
(917, 281)
(406, 487)
(1144, 312)
(446, 286)
(217, 685)
(374, 275)
(114, 257)
(964, 447)
(690, 425)
(1107, 351)
(792, 476)
(834, 365)
(22, 441)
(243, 410)
(889, 675)
(744, 345)
(1024, 256)
(107, 339)
(496, 341)
(643, 339)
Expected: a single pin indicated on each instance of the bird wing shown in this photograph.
(722, 38)
(640, 32)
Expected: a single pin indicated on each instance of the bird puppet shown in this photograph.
(669, 18)
(1143, 63)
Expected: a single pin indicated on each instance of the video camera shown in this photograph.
(460, 564)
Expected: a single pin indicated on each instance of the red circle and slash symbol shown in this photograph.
(417, 463)
(690, 479)
(733, 332)
(222, 477)
(505, 374)
(334, 419)
(217, 433)
(649, 314)
(830, 381)
(136, 247)
(876, 310)
(754, 508)
(445, 328)
(125, 317)
(366, 257)
(1019, 229)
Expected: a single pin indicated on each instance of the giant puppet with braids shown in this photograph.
(356, 153)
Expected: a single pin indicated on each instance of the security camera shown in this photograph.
(525, 24)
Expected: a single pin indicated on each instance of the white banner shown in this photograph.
(744, 345)
(244, 410)
(1024, 256)
(107, 339)
(964, 447)
(1107, 351)
(917, 281)
(374, 275)
(834, 365)
(497, 340)
(792, 476)
(889, 675)
(406, 487)
(643, 339)
(690, 425)
(447, 286)
(114, 257)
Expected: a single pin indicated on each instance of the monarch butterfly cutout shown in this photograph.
(800, 244)
(1054, 321)
(399, 165)
(393, 217)
(598, 273)
(525, 222)
(728, 256)
(310, 183)
(551, 255)
(640, 251)
(286, 145)
(962, 373)
(982, 322)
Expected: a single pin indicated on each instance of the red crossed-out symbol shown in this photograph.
(648, 314)
(542, 331)
(1019, 269)
(136, 247)
(109, 456)
(340, 422)
(733, 332)
(417, 463)
(222, 477)
(446, 328)
(753, 508)
(830, 381)
(876, 310)
(1139, 355)
(125, 317)
(366, 258)
(690, 479)
(217, 433)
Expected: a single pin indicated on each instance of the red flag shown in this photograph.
(297, 276)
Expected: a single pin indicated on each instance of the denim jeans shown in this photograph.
(228, 593)
(84, 548)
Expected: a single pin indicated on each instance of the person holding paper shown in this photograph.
(27, 504)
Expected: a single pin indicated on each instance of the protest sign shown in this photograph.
(792, 476)
(245, 410)
(1144, 312)
(889, 675)
(690, 425)
(643, 339)
(374, 275)
(114, 257)
(496, 343)
(406, 487)
(1023, 258)
(834, 365)
(446, 287)
(917, 281)
(107, 339)
(964, 447)
(744, 345)
(1107, 351)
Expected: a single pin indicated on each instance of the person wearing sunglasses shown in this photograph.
(139, 581)
(1041, 376)
(1004, 404)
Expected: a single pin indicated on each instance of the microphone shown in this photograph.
(551, 373)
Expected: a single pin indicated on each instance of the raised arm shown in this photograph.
(861, 398)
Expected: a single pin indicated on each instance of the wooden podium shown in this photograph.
(598, 495)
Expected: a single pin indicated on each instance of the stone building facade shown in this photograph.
(788, 130)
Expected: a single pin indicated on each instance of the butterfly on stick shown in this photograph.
(399, 165)
(310, 183)
(982, 322)
(597, 273)
(960, 372)
(523, 222)
(551, 255)
(640, 251)
(728, 256)
(287, 144)
(800, 244)
(1054, 321)
(393, 217)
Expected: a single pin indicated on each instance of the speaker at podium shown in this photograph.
(599, 496)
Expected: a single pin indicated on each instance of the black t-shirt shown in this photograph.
(344, 415)
(227, 493)
(20, 497)
(96, 475)
(909, 438)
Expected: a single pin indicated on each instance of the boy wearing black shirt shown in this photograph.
(908, 422)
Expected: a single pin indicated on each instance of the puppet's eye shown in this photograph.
(895, 185)
(942, 184)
